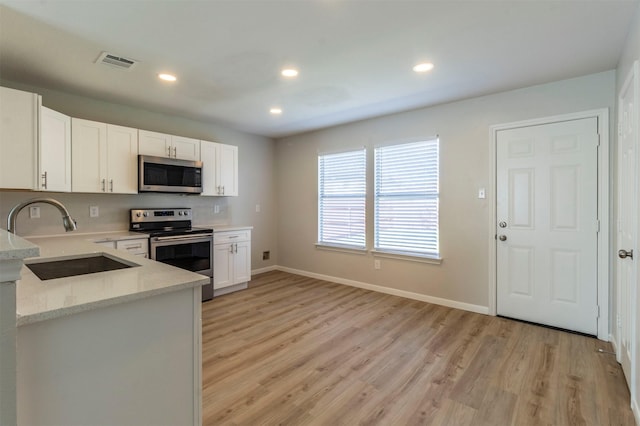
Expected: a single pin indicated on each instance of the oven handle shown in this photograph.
(183, 237)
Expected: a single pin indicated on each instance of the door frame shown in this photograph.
(604, 209)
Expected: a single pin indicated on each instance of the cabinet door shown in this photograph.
(228, 170)
(242, 262)
(122, 159)
(55, 151)
(153, 143)
(222, 267)
(185, 148)
(18, 139)
(209, 158)
(88, 156)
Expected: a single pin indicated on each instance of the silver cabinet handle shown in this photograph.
(623, 254)
(502, 238)
(231, 248)
(169, 151)
(222, 189)
(104, 185)
(111, 185)
(137, 246)
(44, 180)
(175, 152)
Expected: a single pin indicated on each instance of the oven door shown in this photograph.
(193, 253)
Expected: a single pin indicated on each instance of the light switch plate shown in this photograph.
(94, 211)
(481, 193)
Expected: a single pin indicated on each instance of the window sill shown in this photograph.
(410, 257)
(342, 249)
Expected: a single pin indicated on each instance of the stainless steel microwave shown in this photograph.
(159, 174)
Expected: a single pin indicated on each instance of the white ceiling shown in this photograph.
(355, 57)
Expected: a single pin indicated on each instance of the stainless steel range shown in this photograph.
(175, 242)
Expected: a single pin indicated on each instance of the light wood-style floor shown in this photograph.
(293, 350)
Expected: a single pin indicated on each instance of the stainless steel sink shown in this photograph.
(69, 267)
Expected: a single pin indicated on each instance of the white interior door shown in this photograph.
(627, 222)
(547, 214)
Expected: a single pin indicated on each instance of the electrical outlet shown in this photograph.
(216, 209)
(376, 263)
(34, 212)
(481, 193)
(258, 208)
(266, 255)
(94, 211)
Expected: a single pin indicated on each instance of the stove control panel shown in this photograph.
(160, 215)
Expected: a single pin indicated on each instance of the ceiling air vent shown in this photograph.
(116, 61)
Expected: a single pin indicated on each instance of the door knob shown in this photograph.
(502, 238)
(623, 254)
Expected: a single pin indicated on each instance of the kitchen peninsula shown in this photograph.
(117, 347)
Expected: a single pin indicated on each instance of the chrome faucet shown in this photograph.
(67, 220)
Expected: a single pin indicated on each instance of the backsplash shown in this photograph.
(113, 210)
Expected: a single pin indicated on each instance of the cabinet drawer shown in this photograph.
(109, 244)
(231, 236)
(138, 246)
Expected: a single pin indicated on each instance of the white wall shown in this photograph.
(256, 178)
(630, 53)
(465, 230)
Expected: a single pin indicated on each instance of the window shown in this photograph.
(342, 190)
(406, 198)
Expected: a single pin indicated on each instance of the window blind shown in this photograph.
(406, 198)
(342, 190)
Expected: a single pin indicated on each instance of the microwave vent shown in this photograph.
(116, 61)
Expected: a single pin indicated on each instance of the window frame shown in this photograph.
(321, 195)
(433, 194)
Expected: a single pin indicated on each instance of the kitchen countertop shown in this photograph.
(14, 247)
(39, 300)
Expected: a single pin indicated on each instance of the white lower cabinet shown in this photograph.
(231, 258)
(136, 247)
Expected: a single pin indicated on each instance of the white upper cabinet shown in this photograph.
(219, 169)
(228, 170)
(163, 145)
(122, 159)
(104, 157)
(185, 148)
(18, 139)
(55, 151)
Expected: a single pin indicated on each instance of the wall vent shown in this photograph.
(116, 61)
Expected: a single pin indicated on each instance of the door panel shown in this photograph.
(547, 199)
(627, 223)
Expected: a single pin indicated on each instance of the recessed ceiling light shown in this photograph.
(289, 72)
(275, 111)
(167, 77)
(424, 67)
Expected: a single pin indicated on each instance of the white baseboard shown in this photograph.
(395, 292)
(636, 410)
(265, 269)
